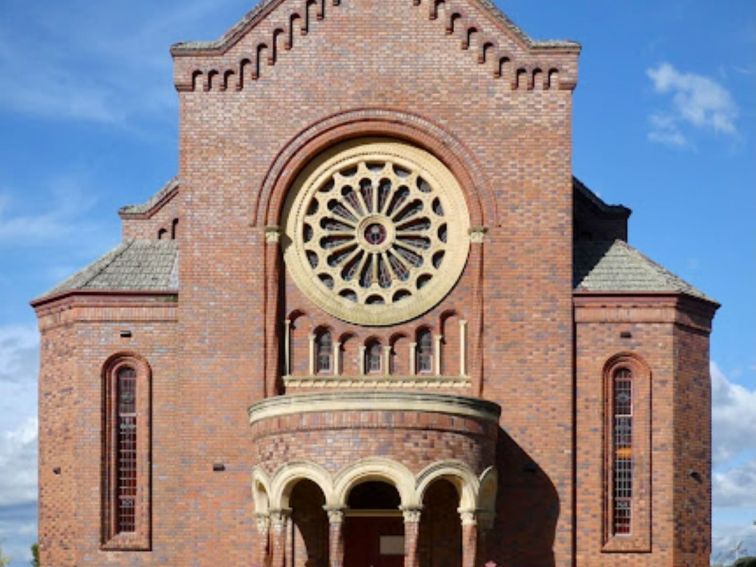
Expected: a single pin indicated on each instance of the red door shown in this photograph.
(374, 542)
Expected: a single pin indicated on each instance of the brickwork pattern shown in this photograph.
(423, 72)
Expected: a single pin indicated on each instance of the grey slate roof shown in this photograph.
(618, 267)
(134, 265)
(152, 201)
(599, 266)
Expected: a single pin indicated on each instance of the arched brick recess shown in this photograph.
(640, 538)
(411, 128)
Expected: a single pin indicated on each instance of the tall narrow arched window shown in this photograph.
(126, 442)
(373, 352)
(126, 450)
(622, 451)
(627, 502)
(323, 352)
(424, 352)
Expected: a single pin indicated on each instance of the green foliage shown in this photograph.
(4, 559)
(35, 555)
(745, 562)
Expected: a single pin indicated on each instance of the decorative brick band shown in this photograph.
(508, 63)
(383, 382)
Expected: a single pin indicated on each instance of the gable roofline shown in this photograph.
(596, 202)
(232, 36)
(135, 265)
(153, 204)
(615, 267)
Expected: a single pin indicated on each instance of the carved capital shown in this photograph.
(263, 523)
(278, 518)
(411, 514)
(272, 234)
(477, 233)
(468, 516)
(335, 514)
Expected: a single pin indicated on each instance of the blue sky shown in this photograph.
(664, 123)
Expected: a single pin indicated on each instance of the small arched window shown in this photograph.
(622, 449)
(323, 352)
(373, 357)
(424, 353)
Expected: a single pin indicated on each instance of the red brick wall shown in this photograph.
(335, 440)
(385, 55)
(216, 352)
(658, 339)
(58, 499)
(147, 225)
(71, 414)
(692, 444)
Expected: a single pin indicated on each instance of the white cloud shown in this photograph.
(18, 354)
(734, 543)
(697, 102)
(733, 417)
(18, 530)
(18, 464)
(105, 63)
(735, 487)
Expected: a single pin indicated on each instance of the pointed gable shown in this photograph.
(485, 36)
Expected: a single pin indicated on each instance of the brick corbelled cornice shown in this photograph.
(494, 40)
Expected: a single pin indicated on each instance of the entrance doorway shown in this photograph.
(373, 527)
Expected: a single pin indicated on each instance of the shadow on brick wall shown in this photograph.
(527, 506)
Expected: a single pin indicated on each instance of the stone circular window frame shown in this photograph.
(444, 187)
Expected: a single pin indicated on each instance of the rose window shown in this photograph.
(377, 232)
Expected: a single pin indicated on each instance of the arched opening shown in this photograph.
(374, 528)
(309, 526)
(440, 540)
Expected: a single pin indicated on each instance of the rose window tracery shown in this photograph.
(377, 231)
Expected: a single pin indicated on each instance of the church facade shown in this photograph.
(375, 321)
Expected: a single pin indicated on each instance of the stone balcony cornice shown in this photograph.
(325, 402)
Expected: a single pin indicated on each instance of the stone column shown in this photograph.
(263, 531)
(386, 360)
(287, 347)
(463, 348)
(469, 537)
(335, 536)
(437, 340)
(412, 359)
(279, 523)
(411, 533)
(311, 354)
(271, 321)
(336, 357)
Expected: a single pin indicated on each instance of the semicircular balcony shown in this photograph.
(343, 475)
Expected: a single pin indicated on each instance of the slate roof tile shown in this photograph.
(599, 266)
(615, 266)
(136, 265)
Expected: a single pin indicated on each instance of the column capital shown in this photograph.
(335, 514)
(469, 516)
(272, 234)
(477, 233)
(411, 514)
(263, 522)
(278, 518)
